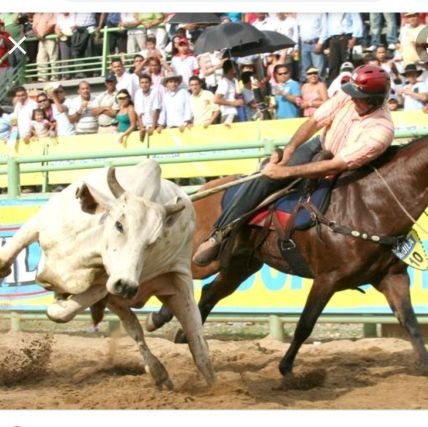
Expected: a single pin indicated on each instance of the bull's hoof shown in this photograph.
(160, 375)
(177, 336)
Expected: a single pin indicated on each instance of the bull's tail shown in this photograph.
(26, 235)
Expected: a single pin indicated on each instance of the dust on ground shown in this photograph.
(104, 372)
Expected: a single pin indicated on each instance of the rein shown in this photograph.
(405, 211)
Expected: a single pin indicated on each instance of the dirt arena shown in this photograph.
(59, 371)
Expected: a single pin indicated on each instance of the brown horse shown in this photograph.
(359, 200)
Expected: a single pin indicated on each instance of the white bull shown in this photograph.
(101, 241)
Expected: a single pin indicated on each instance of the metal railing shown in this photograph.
(94, 65)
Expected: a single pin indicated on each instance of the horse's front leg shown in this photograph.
(396, 288)
(319, 296)
(132, 326)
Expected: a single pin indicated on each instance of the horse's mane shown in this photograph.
(392, 152)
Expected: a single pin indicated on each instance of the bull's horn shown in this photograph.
(113, 184)
(174, 206)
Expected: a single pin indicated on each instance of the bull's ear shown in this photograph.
(173, 209)
(91, 200)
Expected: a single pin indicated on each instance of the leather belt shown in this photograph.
(312, 41)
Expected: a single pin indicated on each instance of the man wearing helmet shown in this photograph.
(357, 128)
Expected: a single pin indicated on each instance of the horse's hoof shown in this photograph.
(177, 336)
(304, 381)
(160, 375)
(150, 324)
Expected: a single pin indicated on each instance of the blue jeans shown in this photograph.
(311, 59)
(376, 28)
(251, 193)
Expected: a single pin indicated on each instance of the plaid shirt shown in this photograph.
(356, 139)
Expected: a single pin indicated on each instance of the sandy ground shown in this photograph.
(80, 372)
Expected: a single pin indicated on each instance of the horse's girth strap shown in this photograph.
(343, 229)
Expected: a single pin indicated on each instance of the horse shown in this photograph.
(365, 199)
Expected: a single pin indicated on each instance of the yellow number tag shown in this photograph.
(412, 251)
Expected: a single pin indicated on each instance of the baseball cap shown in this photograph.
(110, 78)
(347, 66)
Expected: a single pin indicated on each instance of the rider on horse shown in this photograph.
(357, 128)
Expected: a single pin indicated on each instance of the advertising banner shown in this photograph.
(267, 291)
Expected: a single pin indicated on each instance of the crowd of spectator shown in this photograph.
(168, 86)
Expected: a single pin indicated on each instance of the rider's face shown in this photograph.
(361, 106)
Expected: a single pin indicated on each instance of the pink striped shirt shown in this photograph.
(357, 140)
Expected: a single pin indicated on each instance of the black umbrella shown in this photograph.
(227, 36)
(195, 18)
(271, 42)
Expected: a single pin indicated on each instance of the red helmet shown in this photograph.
(368, 81)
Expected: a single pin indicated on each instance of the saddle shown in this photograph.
(285, 213)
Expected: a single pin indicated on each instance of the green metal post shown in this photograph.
(15, 324)
(13, 183)
(370, 330)
(276, 329)
(105, 51)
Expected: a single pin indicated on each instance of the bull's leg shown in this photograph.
(135, 331)
(27, 234)
(396, 288)
(184, 308)
(63, 310)
(318, 297)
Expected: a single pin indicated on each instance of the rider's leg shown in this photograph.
(248, 197)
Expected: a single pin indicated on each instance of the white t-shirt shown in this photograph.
(410, 103)
(227, 88)
(129, 82)
(87, 123)
(63, 125)
(145, 104)
(23, 114)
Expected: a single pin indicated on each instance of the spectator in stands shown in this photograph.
(5, 125)
(408, 34)
(136, 33)
(251, 112)
(126, 116)
(152, 51)
(172, 47)
(414, 94)
(65, 22)
(82, 42)
(376, 30)
(30, 46)
(314, 92)
(105, 106)
(13, 27)
(5, 45)
(148, 103)
(61, 107)
(138, 64)
(81, 110)
(41, 127)
(393, 104)
(184, 62)
(23, 112)
(263, 22)
(210, 66)
(156, 72)
(125, 80)
(47, 51)
(343, 29)
(344, 76)
(225, 95)
(286, 92)
(313, 34)
(155, 23)
(45, 104)
(204, 111)
(176, 111)
(117, 40)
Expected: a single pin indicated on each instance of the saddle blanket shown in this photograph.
(285, 205)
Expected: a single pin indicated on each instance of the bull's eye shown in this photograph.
(119, 226)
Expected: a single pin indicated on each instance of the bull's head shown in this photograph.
(132, 228)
